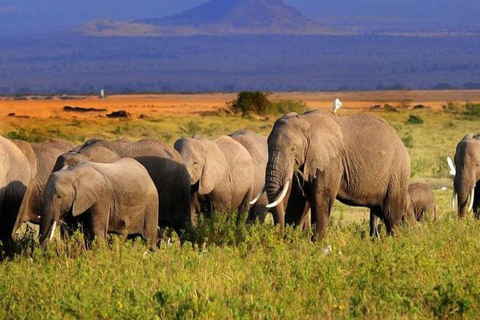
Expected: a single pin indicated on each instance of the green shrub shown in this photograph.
(413, 119)
(258, 102)
(472, 109)
(289, 105)
(453, 107)
(251, 101)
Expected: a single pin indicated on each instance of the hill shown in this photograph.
(216, 17)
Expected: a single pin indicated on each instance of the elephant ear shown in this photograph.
(324, 144)
(215, 168)
(86, 191)
(26, 211)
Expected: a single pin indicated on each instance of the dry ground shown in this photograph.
(182, 104)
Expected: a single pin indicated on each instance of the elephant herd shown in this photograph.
(138, 188)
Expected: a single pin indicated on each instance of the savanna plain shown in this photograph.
(225, 270)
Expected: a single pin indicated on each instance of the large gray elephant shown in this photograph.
(117, 197)
(42, 157)
(358, 160)
(257, 146)
(466, 182)
(15, 174)
(221, 170)
(164, 165)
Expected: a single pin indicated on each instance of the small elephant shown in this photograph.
(16, 172)
(467, 176)
(42, 157)
(117, 197)
(221, 170)
(164, 165)
(358, 160)
(422, 202)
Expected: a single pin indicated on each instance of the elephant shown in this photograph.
(164, 165)
(221, 170)
(16, 173)
(42, 157)
(421, 205)
(118, 197)
(256, 145)
(358, 160)
(467, 175)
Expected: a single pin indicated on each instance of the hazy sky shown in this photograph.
(31, 16)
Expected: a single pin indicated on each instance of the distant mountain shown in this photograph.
(217, 17)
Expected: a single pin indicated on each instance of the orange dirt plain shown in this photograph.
(185, 104)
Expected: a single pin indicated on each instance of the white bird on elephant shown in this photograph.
(336, 105)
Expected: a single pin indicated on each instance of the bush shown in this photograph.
(251, 101)
(469, 109)
(289, 105)
(257, 102)
(412, 119)
(453, 107)
(472, 109)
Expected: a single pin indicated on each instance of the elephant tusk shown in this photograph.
(472, 195)
(454, 194)
(53, 230)
(280, 198)
(259, 194)
(453, 171)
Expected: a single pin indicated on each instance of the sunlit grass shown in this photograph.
(230, 270)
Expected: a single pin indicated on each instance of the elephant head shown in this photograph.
(68, 191)
(467, 175)
(298, 145)
(72, 158)
(205, 162)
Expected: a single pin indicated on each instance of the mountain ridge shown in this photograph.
(216, 17)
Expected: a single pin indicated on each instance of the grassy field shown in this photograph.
(428, 270)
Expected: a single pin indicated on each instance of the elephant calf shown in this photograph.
(422, 202)
(117, 197)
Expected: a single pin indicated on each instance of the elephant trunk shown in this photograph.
(48, 222)
(465, 191)
(278, 174)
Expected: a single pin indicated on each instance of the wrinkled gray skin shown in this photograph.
(221, 170)
(15, 175)
(257, 146)
(467, 164)
(164, 165)
(421, 206)
(42, 157)
(421, 203)
(295, 202)
(358, 160)
(117, 197)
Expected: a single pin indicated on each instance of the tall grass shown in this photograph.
(229, 269)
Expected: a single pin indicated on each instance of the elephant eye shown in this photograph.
(195, 162)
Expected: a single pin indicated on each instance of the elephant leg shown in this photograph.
(96, 228)
(321, 203)
(476, 202)
(151, 226)
(374, 225)
(394, 208)
(244, 207)
(306, 220)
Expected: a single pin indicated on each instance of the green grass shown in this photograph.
(428, 270)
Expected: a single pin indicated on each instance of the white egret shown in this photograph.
(336, 105)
